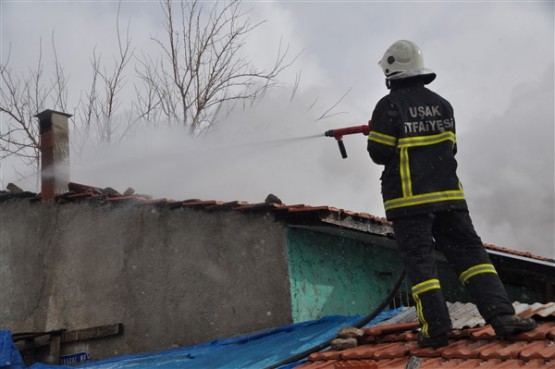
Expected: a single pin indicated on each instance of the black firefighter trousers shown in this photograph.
(452, 233)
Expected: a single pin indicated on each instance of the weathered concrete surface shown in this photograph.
(172, 277)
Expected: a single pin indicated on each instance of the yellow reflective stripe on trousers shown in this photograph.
(430, 284)
(475, 270)
(427, 140)
(382, 138)
(417, 290)
(424, 199)
(404, 172)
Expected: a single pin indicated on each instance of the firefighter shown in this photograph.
(413, 136)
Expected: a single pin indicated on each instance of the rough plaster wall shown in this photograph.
(173, 277)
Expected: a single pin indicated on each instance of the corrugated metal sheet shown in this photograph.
(466, 315)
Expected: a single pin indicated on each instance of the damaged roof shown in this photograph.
(357, 221)
(391, 344)
(387, 342)
(472, 344)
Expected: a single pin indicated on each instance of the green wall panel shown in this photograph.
(337, 275)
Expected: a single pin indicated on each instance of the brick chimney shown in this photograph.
(54, 149)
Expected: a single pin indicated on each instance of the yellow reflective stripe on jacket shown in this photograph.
(430, 284)
(427, 140)
(404, 171)
(475, 270)
(424, 199)
(382, 138)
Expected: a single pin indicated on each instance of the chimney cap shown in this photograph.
(48, 113)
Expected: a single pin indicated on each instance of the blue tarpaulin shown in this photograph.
(255, 351)
(9, 355)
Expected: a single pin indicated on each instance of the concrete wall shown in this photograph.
(172, 277)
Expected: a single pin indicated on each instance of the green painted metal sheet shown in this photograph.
(337, 275)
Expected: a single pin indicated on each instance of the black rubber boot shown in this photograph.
(433, 342)
(504, 325)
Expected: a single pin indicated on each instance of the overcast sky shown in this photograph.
(494, 61)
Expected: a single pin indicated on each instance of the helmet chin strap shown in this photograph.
(388, 84)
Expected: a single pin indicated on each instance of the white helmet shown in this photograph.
(404, 59)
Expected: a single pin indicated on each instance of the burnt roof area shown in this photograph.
(520, 268)
(515, 267)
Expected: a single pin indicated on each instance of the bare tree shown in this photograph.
(200, 71)
(96, 112)
(23, 96)
(202, 65)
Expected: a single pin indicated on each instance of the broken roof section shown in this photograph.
(300, 214)
(253, 351)
(392, 344)
(388, 342)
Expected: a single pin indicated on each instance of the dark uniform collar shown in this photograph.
(398, 84)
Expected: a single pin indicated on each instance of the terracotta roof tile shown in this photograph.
(430, 363)
(426, 352)
(404, 336)
(539, 350)
(465, 349)
(326, 355)
(544, 331)
(392, 364)
(320, 365)
(394, 346)
(506, 350)
(362, 352)
(380, 330)
(395, 350)
(358, 364)
(482, 333)
(515, 252)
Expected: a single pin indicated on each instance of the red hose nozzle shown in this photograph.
(340, 132)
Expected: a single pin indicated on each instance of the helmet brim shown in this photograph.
(426, 75)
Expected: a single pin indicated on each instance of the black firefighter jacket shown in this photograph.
(413, 135)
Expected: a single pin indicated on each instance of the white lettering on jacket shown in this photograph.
(432, 125)
(424, 111)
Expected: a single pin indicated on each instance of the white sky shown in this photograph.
(495, 64)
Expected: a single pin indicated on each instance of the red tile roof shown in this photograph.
(327, 214)
(392, 344)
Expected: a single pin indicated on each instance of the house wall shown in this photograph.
(172, 277)
(338, 274)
